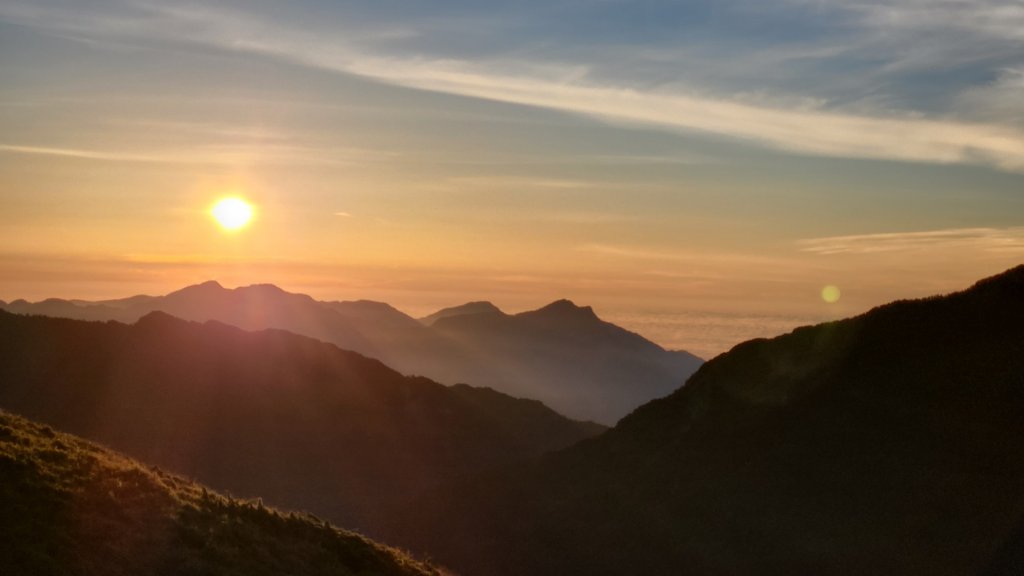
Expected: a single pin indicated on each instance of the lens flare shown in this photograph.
(830, 294)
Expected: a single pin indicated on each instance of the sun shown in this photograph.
(232, 213)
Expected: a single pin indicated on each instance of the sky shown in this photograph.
(696, 171)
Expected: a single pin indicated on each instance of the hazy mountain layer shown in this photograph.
(562, 354)
(272, 414)
(566, 356)
(887, 444)
(71, 507)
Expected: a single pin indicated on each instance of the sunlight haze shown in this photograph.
(695, 172)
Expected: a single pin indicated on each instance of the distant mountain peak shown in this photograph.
(158, 318)
(54, 301)
(479, 307)
(365, 304)
(263, 288)
(561, 304)
(208, 287)
(566, 308)
(160, 322)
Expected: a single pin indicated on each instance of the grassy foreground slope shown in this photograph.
(68, 507)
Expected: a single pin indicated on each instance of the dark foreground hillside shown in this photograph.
(68, 507)
(888, 444)
(272, 414)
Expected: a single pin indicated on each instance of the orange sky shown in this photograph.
(651, 180)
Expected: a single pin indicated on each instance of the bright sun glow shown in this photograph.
(830, 294)
(232, 213)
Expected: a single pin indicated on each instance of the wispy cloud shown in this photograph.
(570, 87)
(82, 154)
(220, 154)
(995, 240)
(587, 218)
(699, 264)
(679, 158)
(1001, 100)
(633, 252)
(519, 182)
(999, 18)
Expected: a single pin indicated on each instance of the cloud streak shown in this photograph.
(811, 132)
(80, 153)
(992, 240)
(994, 18)
(212, 154)
(694, 265)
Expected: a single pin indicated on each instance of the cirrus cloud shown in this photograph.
(993, 240)
(572, 87)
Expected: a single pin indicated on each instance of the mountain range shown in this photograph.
(561, 354)
(71, 507)
(885, 444)
(272, 414)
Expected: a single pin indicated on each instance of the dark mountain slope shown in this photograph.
(70, 507)
(891, 443)
(540, 358)
(269, 414)
(1009, 558)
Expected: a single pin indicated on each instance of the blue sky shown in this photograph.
(730, 156)
(778, 72)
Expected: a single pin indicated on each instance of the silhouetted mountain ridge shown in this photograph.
(561, 354)
(563, 309)
(888, 443)
(467, 309)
